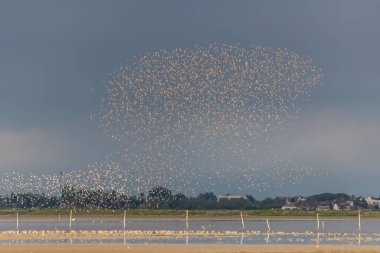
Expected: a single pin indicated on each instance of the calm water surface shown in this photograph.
(333, 226)
(331, 231)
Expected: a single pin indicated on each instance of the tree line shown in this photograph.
(157, 198)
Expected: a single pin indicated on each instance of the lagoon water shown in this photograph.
(326, 226)
(282, 231)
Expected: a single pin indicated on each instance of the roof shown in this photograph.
(231, 197)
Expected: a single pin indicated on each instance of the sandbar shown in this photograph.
(173, 248)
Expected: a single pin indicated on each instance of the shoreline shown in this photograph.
(195, 248)
(57, 235)
(86, 217)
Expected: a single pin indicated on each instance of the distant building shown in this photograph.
(336, 207)
(295, 199)
(348, 205)
(231, 197)
(289, 206)
(291, 203)
(372, 202)
(323, 208)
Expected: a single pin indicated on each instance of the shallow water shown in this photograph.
(364, 239)
(333, 226)
(330, 232)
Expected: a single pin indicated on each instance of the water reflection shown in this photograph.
(202, 231)
(320, 239)
(338, 226)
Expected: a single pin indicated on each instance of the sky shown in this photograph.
(57, 56)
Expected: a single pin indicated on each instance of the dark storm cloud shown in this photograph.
(56, 55)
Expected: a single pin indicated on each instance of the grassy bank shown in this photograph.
(206, 213)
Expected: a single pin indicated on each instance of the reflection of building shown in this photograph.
(231, 197)
(372, 202)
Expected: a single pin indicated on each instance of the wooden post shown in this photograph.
(317, 221)
(242, 220)
(187, 220)
(359, 221)
(125, 214)
(125, 217)
(318, 240)
(17, 221)
(268, 225)
(71, 217)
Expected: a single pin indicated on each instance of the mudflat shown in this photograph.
(173, 248)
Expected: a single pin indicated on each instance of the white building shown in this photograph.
(323, 208)
(372, 202)
(230, 197)
(291, 203)
(289, 206)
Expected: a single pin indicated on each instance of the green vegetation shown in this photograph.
(338, 197)
(161, 201)
(204, 213)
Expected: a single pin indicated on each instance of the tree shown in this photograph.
(113, 200)
(270, 203)
(68, 196)
(159, 197)
(361, 203)
(331, 197)
(179, 201)
(207, 196)
(251, 198)
(135, 201)
(82, 198)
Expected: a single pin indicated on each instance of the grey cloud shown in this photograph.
(51, 148)
(336, 138)
(53, 53)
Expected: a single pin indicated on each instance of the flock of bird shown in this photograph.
(191, 119)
